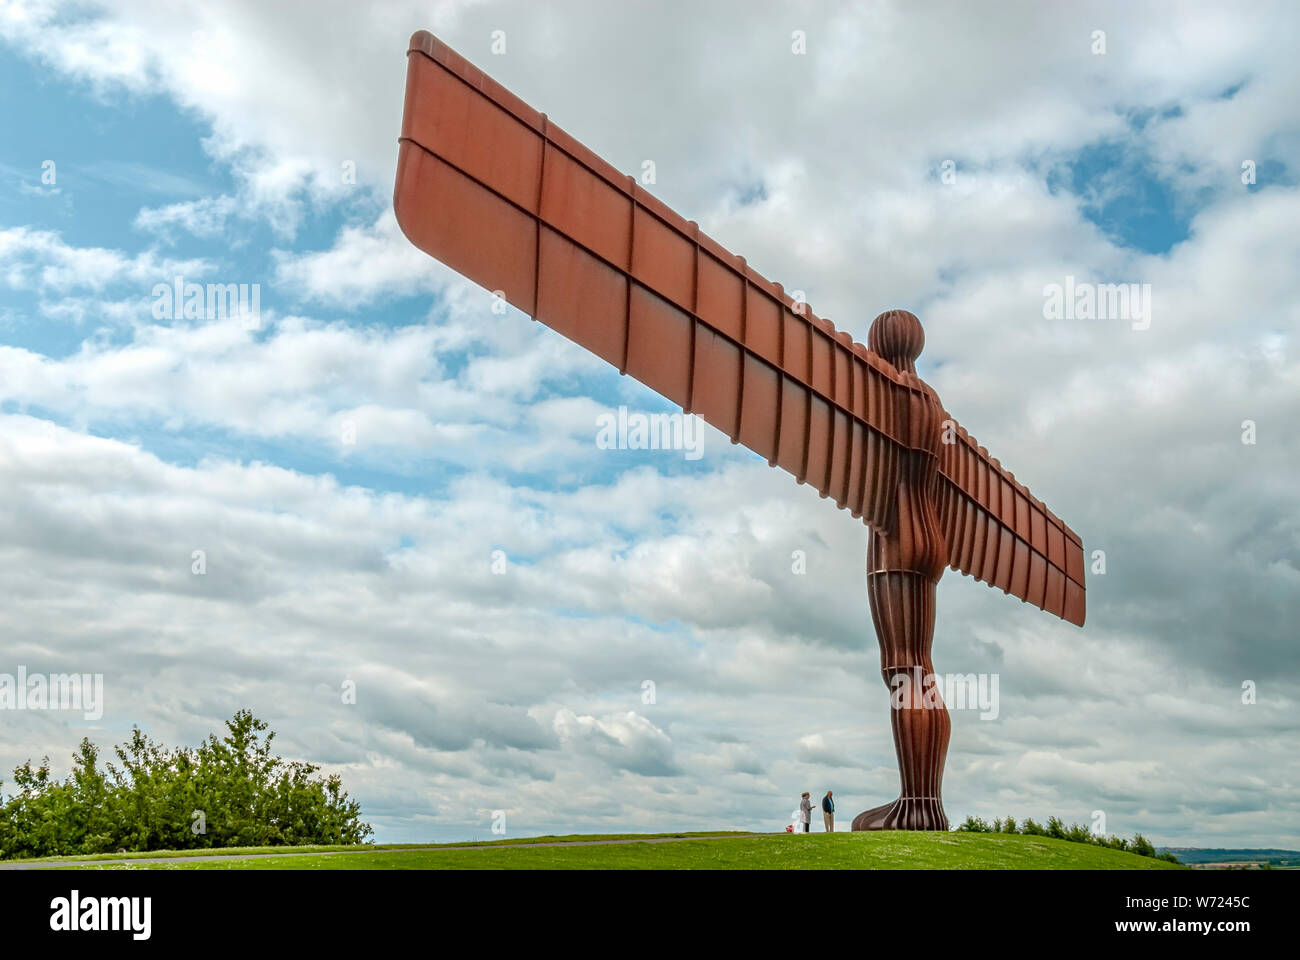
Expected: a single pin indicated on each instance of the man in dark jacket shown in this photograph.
(828, 812)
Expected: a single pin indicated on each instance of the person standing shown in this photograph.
(805, 811)
(828, 812)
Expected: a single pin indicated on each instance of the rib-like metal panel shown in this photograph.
(1020, 530)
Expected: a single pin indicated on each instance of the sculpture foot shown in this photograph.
(905, 813)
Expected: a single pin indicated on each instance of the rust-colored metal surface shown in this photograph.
(904, 565)
(498, 192)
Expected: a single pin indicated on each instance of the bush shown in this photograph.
(228, 792)
(1080, 834)
(1075, 833)
(1142, 847)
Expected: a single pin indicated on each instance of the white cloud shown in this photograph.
(206, 217)
(39, 260)
(363, 264)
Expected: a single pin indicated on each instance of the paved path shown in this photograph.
(48, 864)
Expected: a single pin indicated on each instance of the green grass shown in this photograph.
(886, 850)
(345, 848)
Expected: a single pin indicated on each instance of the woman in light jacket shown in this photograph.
(805, 811)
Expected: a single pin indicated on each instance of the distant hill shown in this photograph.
(1245, 857)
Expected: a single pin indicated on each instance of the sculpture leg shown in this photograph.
(902, 611)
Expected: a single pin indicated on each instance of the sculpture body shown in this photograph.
(904, 564)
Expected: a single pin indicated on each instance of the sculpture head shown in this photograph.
(897, 336)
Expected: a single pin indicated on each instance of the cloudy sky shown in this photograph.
(351, 464)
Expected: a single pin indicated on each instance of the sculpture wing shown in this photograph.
(999, 532)
(496, 191)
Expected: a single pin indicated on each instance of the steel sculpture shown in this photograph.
(496, 191)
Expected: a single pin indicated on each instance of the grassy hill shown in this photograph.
(840, 851)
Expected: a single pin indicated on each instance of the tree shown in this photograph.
(229, 791)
